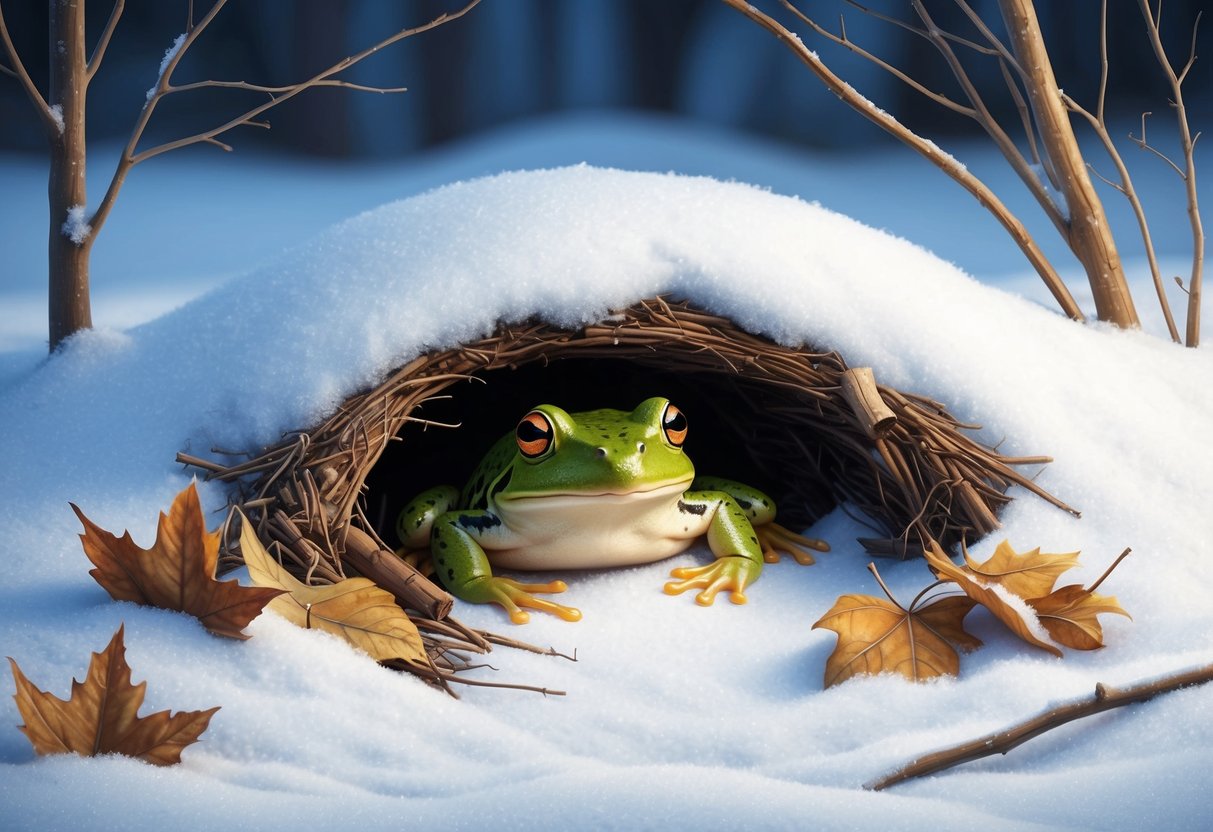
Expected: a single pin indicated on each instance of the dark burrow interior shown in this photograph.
(735, 430)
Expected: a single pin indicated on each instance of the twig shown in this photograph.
(1188, 143)
(925, 148)
(1100, 127)
(1000, 742)
(99, 51)
(163, 88)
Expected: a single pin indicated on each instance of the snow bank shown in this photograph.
(676, 716)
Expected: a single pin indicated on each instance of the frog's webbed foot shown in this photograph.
(419, 559)
(774, 538)
(732, 573)
(513, 595)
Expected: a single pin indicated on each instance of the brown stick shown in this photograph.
(414, 590)
(1000, 742)
(860, 391)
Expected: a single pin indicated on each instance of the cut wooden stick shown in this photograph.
(1000, 742)
(860, 390)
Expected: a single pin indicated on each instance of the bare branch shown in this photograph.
(244, 85)
(1000, 742)
(127, 159)
(925, 148)
(1145, 145)
(1192, 51)
(164, 87)
(1100, 127)
(320, 79)
(993, 129)
(844, 41)
(1188, 144)
(17, 70)
(99, 52)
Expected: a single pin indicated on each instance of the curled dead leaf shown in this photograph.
(1009, 608)
(1029, 574)
(354, 609)
(101, 716)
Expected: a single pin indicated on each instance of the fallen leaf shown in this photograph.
(101, 717)
(1009, 608)
(1069, 614)
(354, 609)
(878, 635)
(177, 573)
(1026, 574)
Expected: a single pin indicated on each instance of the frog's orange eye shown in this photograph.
(534, 434)
(674, 423)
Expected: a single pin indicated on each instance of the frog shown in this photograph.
(589, 490)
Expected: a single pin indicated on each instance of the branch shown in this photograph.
(31, 91)
(99, 52)
(1100, 127)
(320, 79)
(1000, 742)
(924, 147)
(164, 88)
(844, 41)
(1188, 144)
(244, 85)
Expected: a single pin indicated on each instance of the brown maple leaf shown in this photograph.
(878, 635)
(177, 573)
(1026, 574)
(1009, 608)
(354, 609)
(101, 717)
(1070, 614)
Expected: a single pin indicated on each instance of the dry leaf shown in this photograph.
(1069, 614)
(355, 609)
(101, 717)
(878, 635)
(177, 573)
(1010, 609)
(1027, 574)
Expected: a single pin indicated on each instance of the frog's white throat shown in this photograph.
(587, 530)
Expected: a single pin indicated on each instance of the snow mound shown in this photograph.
(677, 716)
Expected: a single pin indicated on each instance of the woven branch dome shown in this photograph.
(791, 421)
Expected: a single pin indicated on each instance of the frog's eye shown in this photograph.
(534, 434)
(674, 424)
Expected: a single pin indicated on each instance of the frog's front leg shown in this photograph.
(733, 541)
(463, 567)
(760, 509)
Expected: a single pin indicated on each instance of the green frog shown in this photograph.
(595, 489)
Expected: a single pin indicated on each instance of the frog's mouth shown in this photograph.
(605, 496)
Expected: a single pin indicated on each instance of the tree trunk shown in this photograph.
(70, 241)
(1090, 236)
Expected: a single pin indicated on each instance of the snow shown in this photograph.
(169, 54)
(676, 716)
(76, 227)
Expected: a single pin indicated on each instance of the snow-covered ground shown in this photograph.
(676, 716)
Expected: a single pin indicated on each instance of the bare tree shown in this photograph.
(62, 111)
(1052, 166)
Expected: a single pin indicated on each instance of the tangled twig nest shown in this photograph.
(810, 430)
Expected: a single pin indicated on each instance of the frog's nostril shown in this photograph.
(640, 447)
(600, 452)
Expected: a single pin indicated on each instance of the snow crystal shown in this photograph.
(57, 116)
(75, 227)
(169, 54)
